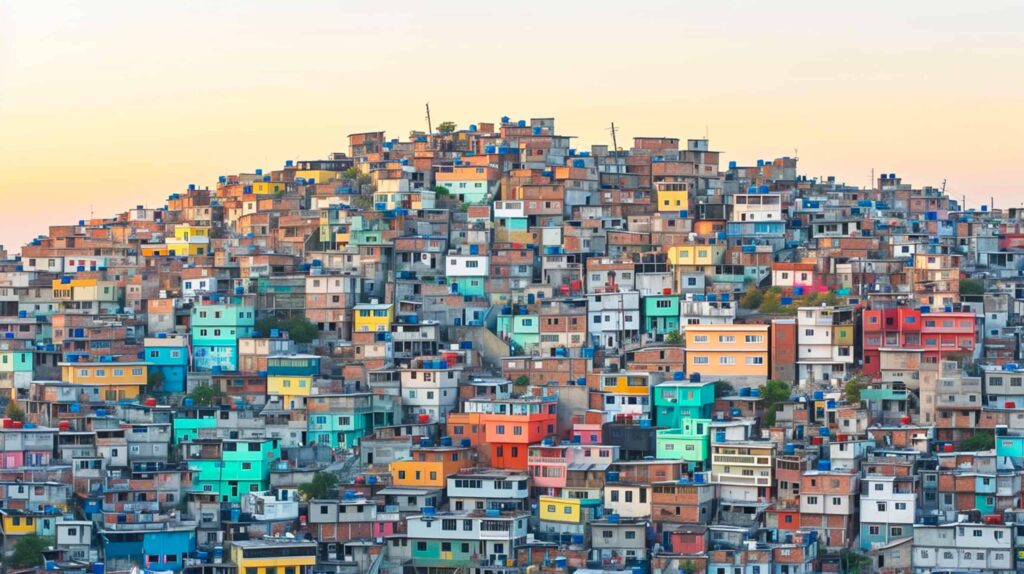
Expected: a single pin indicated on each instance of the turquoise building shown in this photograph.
(216, 328)
(341, 420)
(661, 314)
(678, 400)
(232, 468)
(690, 442)
(522, 330)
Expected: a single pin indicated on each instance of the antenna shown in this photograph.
(615, 144)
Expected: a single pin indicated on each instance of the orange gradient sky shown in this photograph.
(105, 105)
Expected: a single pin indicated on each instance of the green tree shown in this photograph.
(446, 127)
(299, 328)
(771, 302)
(521, 381)
(323, 485)
(688, 567)
(205, 394)
(752, 299)
(155, 381)
(853, 562)
(14, 412)
(674, 338)
(351, 173)
(772, 393)
(972, 287)
(981, 440)
(723, 389)
(441, 191)
(851, 391)
(28, 551)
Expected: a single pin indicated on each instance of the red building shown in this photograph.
(937, 334)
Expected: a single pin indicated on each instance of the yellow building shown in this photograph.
(728, 352)
(293, 389)
(17, 522)
(626, 383)
(317, 175)
(69, 289)
(696, 254)
(556, 509)
(430, 466)
(267, 187)
(273, 556)
(117, 381)
(372, 318)
(673, 200)
(189, 240)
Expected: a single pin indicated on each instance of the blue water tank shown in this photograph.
(446, 441)
(719, 436)
(819, 396)
(790, 449)
(824, 465)
(679, 376)
(823, 431)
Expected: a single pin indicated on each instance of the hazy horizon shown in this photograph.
(106, 105)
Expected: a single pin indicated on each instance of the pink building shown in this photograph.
(549, 463)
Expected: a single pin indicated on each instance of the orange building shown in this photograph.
(430, 466)
(511, 425)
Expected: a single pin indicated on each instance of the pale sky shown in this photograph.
(105, 105)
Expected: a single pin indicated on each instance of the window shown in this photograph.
(421, 546)
(701, 360)
(753, 339)
(726, 339)
(755, 360)
(726, 360)
(700, 338)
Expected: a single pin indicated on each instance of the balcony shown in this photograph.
(546, 460)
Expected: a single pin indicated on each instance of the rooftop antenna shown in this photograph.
(615, 144)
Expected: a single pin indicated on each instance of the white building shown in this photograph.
(613, 318)
(970, 546)
(825, 341)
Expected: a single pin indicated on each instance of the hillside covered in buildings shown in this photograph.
(489, 351)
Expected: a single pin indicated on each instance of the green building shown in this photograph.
(678, 400)
(690, 442)
(231, 468)
(661, 314)
(522, 330)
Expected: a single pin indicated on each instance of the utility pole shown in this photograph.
(615, 144)
(430, 127)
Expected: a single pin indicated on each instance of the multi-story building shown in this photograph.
(743, 470)
(734, 353)
(825, 344)
(511, 425)
(216, 329)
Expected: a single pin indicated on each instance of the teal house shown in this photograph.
(216, 328)
(690, 442)
(341, 420)
(661, 314)
(231, 468)
(523, 331)
(190, 422)
(677, 400)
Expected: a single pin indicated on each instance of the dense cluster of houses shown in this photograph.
(485, 350)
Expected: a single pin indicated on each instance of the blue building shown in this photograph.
(168, 355)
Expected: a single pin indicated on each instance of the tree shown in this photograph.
(853, 562)
(723, 389)
(851, 391)
(441, 191)
(155, 381)
(521, 381)
(14, 412)
(674, 338)
(322, 485)
(752, 299)
(771, 302)
(28, 551)
(205, 394)
(688, 567)
(981, 440)
(972, 287)
(446, 127)
(351, 173)
(299, 328)
(772, 393)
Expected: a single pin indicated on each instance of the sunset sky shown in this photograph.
(105, 105)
